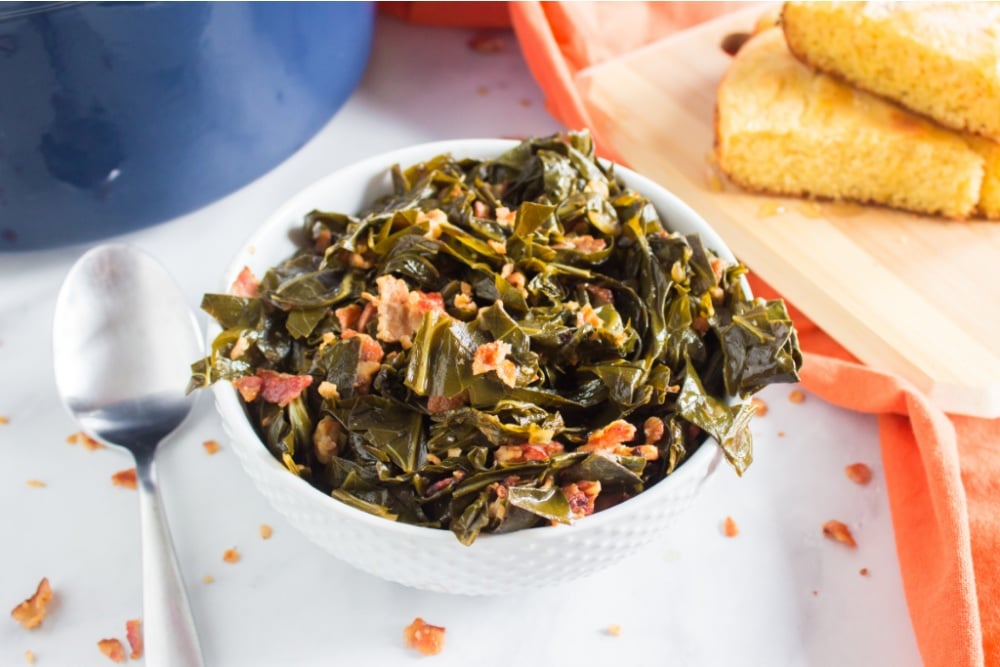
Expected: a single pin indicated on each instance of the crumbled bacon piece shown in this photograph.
(438, 404)
(719, 267)
(428, 639)
(273, 387)
(863, 572)
(505, 217)
(610, 437)
(729, 527)
(231, 555)
(434, 218)
(796, 396)
(367, 313)
(648, 452)
(88, 443)
(526, 452)
(858, 473)
(499, 247)
(584, 243)
(441, 485)
(211, 446)
(240, 347)
(493, 357)
(588, 316)
(838, 530)
(31, 612)
(125, 479)
(324, 238)
(133, 633)
(581, 496)
(480, 210)
(401, 310)
(487, 43)
(266, 531)
(113, 649)
(653, 428)
(348, 316)
(759, 405)
(325, 439)
(601, 295)
(328, 390)
(246, 284)
(370, 348)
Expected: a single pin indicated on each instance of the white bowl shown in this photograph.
(429, 558)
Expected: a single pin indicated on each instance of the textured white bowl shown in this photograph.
(428, 558)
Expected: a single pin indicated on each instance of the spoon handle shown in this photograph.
(170, 637)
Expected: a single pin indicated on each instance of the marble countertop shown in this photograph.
(777, 594)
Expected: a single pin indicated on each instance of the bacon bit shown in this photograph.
(428, 639)
(837, 530)
(207, 579)
(464, 304)
(815, 593)
(858, 473)
(323, 240)
(442, 484)
(400, 310)
(358, 261)
(88, 443)
(482, 90)
(863, 572)
(587, 315)
(31, 612)
(231, 555)
(113, 649)
(246, 284)
(366, 316)
(480, 210)
(325, 439)
(584, 243)
(648, 452)
(614, 630)
(348, 316)
(493, 357)
(211, 447)
(36, 483)
(700, 324)
(581, 496)
(438, 404)
(719, 267)
(796, 396)
(125, 479)
(505, 217)
(601, 295)
(370, 348)
(434, 218)
(499, 247)
(273, 387)
(759, 405)
(653, 428)
(487, 43)
(526, 452)
(4, 420)
(265, 531)
(729, 527)
(328, 390)
(781, 434)
(240, 347)
(29, 657)
(608, 438)
(133, 633)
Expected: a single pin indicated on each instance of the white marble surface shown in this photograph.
(778, 594)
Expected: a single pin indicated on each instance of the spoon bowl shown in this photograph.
(123, 339)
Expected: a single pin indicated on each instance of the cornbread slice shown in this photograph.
(989, 194)
(784, 129)
(937, 58)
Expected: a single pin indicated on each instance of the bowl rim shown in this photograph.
(252, 448)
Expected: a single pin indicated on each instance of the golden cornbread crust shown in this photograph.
(782, 128)
(940, 59)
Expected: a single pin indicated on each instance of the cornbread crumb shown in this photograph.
(796, 396)
(211, 446)
(125, 479)
(838, 530)
(29, 657)
(37, 483)
(729, 527)
(4, 420)
(863, 572)
(428, 639)
(31, 612)
(113, 649)
(231, 555)
(760, 405)
(265, 531)
(614, 630)
(858, 473)
(207, 579)
(133, 633)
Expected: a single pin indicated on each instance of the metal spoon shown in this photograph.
(123, 342)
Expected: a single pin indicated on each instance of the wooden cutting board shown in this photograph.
(916, 296)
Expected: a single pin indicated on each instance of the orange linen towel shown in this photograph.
(942, 473)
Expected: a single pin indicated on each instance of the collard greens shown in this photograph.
(497, 345)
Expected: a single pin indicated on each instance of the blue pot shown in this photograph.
(115, 116)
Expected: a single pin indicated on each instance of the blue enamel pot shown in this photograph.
(116, 116)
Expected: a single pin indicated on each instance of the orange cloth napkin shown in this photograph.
(942, 472)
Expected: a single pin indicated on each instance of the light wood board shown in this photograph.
(916, 296)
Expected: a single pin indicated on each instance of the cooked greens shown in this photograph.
(497, 344)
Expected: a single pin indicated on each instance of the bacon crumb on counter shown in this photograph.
(126, 479)
(31, 612)
(88, 443)
(36, 483)
(211, 446)
(759, 405)
(246, 284)
(493, 357)
(428, 639)
(863, 572)
(266, 531)
(838, 530)
(133, 633)
(231, 555)
(859, 473)
(796, 396)
(729, 527)
(29, 657)
(487, 43)
(614, 630)
(113, 649)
